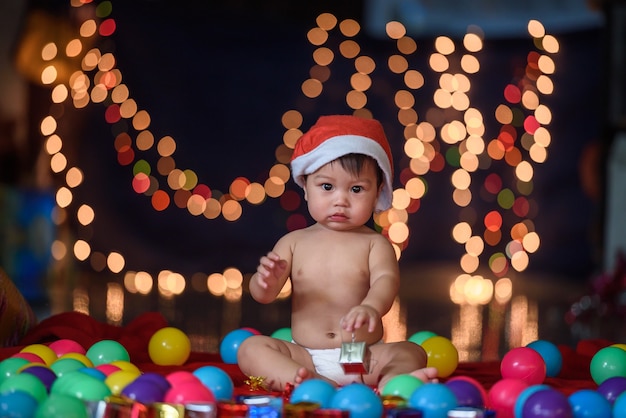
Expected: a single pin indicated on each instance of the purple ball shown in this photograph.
(548, 403)
(466, 393)
(612, 387)
(145, 392)
(43, 373)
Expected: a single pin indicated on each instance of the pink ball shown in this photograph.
(187, 392)
(525, 364)
(31, 357)
(65, 346)
(181, 376)
(502, 396)
(107, 368)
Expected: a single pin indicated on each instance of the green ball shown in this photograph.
(421, 336)
(283, 334)
(606, 363)
(107, 351)
(25, 382)
(81, 386)
(62, 406)
(66, 365)
(10, 367)
(401, 385)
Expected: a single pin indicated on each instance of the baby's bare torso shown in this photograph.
(330, 274)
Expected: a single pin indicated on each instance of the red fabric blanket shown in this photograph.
(136, 335)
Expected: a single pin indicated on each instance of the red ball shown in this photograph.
(502, 396)
(525, 364)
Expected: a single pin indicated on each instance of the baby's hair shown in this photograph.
(354, 163)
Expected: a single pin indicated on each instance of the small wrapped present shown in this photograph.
(355, 357)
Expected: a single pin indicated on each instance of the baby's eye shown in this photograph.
(327, 186)
(357, 189)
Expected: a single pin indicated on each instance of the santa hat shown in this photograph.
(335, 136)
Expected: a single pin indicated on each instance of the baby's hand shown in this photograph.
(361, 315)
(271, 268)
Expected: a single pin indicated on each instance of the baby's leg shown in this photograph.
(392, 359)
(279, 362)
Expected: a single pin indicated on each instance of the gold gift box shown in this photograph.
(355, 358)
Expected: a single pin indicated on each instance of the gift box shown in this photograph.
(355, 357)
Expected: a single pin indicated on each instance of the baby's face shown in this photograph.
(339, 199)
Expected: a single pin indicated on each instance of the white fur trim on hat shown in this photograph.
(338, 146)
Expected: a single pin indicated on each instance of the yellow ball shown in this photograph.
(126, 366)
(46, 353)
(169, 346)
(117, 381)
(442, 355)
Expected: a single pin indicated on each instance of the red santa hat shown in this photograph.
(335, 136)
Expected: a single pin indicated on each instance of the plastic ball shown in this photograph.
(107, 369)
(359, 399)
(81, 386)
(475, 383)
(66, 365)
(589, 404)
(119, 380)
(252, 330)
(467, 393)
(619, 406)
(619, 345)
(217, 380)
(523, 363)
(442, 355)
(43, 373)
(503, 395)
(62, 406)
(612, 387)
(144, 391)
(551, 356)
(155, 378)
(282, 334)
(188, 392)
(126, 365)
(26, 383)
(17, 405)
(66, 346)
(43, 351)
(107, 351)
(181, 376)
(314, 390)
(230, 344)
(80, 357)
(93, 372)
(30, 357)
(521, 398)
(547, 403)
(608, 362)
(421, 336)
(434, 400)
(401, 385)
(11, 366)
(169, 346)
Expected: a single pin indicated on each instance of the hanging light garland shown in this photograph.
(430, 145)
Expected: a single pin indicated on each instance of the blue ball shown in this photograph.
(619, 406)
(434, 400)
(230, 344)
(523, 396)
(589, 404)
(314, 390)
(18, 404)
(359, 399)
(551, 356)
(217, 380)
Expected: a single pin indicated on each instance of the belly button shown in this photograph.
(331, 335)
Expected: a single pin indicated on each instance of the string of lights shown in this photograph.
(451, 134)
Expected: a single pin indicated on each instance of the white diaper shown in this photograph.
(326, 362)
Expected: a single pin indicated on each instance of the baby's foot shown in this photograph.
(427, 374)
(301, 375)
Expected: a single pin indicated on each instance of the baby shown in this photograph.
(344, 275)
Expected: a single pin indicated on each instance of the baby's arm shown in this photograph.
(272, 273)
(384, 284)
